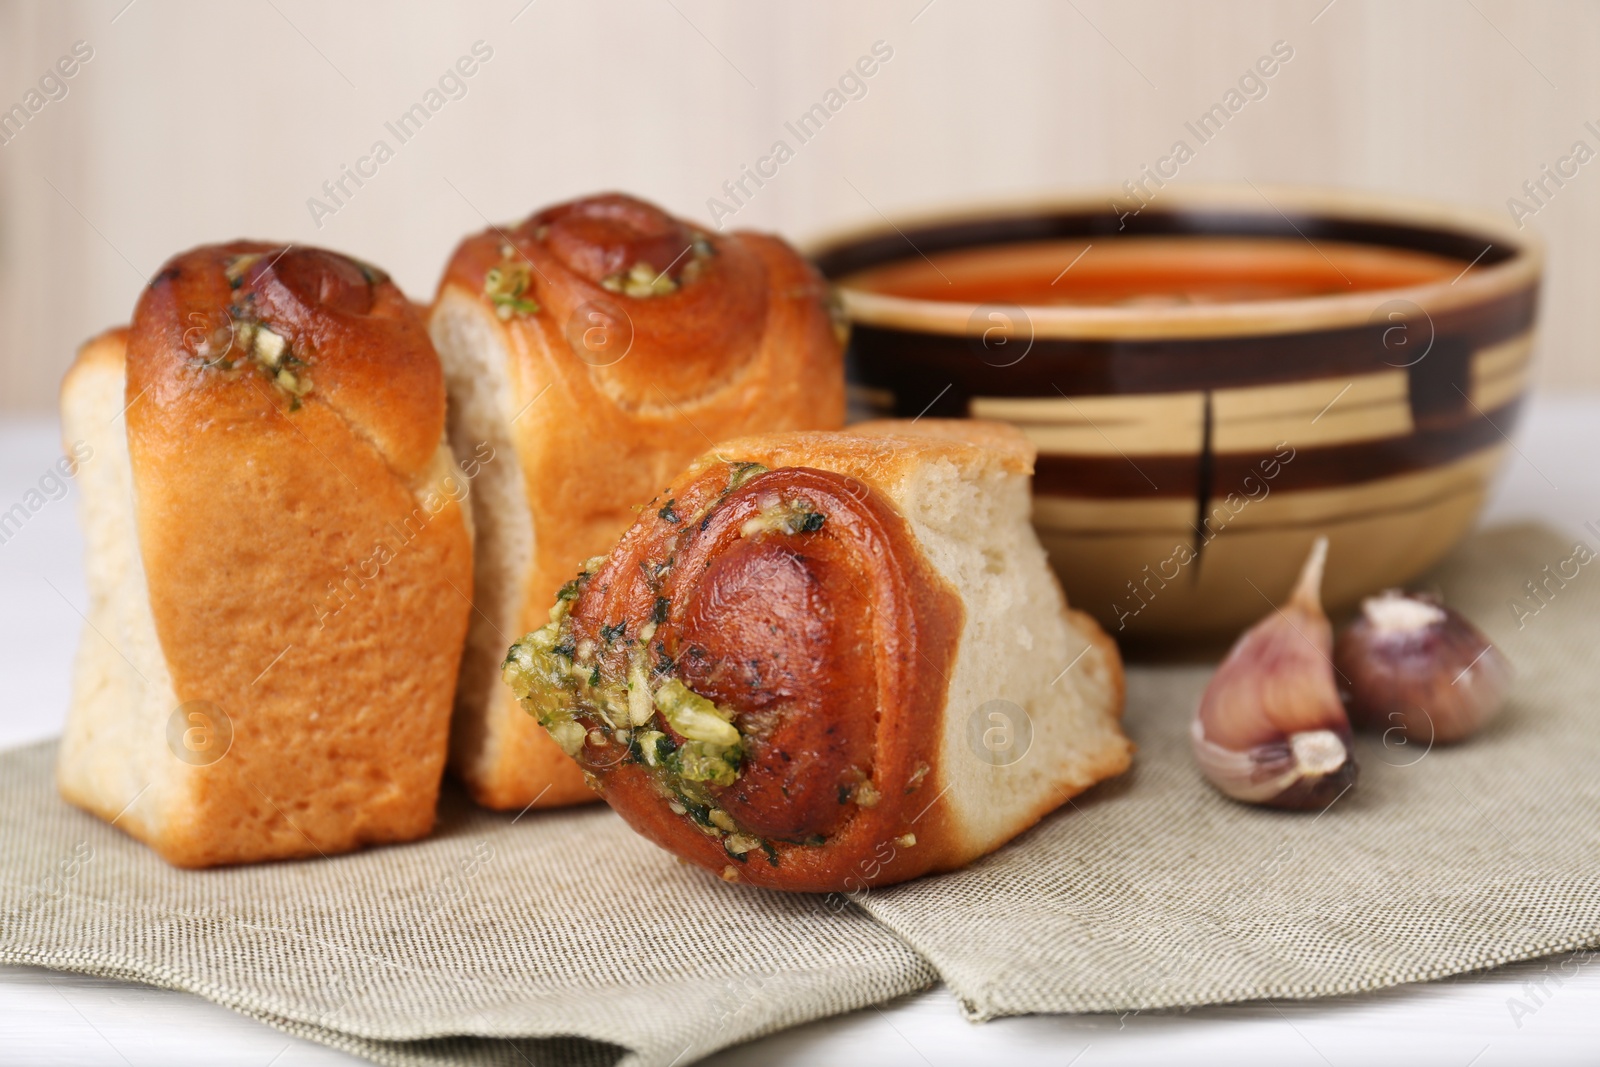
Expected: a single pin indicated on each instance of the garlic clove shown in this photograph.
(1410, 663)
(1270, 728)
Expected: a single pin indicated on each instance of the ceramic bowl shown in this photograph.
(1213, 377)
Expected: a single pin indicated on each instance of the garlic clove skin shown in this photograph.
(1270, 728)
(1410, 663)
(1307, 770)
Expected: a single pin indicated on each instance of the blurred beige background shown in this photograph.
(193, 122)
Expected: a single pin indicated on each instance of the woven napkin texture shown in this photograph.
(563, 928)
(1153, 891)
(562, 938)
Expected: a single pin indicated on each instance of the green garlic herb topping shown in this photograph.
(619, 691)
(271, 353)
(641, 281)
(549, 672)
(245, 337)
(506, 287)
(786, 517)
(542, 671)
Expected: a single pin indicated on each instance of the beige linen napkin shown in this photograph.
(1154, 891)
(565, 930)
(563, 927)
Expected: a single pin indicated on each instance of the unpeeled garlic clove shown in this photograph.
(1409, 663)
(1270, 728)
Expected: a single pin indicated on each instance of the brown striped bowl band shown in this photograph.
(1189, 454)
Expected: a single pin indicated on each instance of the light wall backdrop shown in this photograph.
(191, 122)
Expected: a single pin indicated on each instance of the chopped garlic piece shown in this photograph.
(269, 346)
(544, 638)
(917, 776)
(693, 716)
(298, 386)
(789, 517)
(569, 735)
(640, 705)
(238, 265)
(739, 844)
(640, 281)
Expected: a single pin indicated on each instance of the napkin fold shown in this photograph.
(1155, 891)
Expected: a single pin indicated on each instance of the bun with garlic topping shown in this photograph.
(792, 668)
(275, 537)
(592, 351)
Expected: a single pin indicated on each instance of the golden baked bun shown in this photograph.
(278, 562)
(590, 353)
(827, 661)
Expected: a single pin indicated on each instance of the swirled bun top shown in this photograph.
(694, 305)
(237, 330)
(602, 236)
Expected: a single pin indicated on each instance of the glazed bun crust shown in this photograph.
(374, 367)
(851, 603)
(593, 386)
(303, 560)
(834, 644)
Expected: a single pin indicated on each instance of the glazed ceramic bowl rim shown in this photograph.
(1476, 283)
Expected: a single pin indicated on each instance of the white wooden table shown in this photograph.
(51, 1018)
